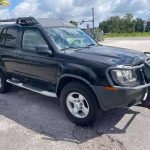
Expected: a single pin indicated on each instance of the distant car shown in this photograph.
(56, 59)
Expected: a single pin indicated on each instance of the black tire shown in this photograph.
(4, 86)
(146, 102)
(90, 98)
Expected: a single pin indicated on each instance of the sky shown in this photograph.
(76, 9)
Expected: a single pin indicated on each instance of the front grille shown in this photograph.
(146, 70)
(140, 78)
(147, 61)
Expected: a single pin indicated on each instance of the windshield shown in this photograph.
(65, 38)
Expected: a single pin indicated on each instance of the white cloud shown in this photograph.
(77, 9)
(4, 12)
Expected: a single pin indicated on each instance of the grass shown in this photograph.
(138, 34)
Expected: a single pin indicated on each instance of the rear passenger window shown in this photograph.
(11, 38)
(2, 38)
(8, 38)
(1, 30)
(31, 39)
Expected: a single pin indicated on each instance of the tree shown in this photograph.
(116, 24)
(139, 25)
(148, 26)
(104, 26)
(4, 3)
(128, 17)
(129, 23)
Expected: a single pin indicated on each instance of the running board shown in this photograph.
(31, 88)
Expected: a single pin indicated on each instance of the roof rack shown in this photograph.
(21, 21)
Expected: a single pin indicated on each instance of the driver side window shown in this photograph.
(31, 39)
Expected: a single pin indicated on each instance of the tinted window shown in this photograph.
(11, 38)
(2, 38)
(8, 38)
(31, 39)
(1, 30)
(66, 38)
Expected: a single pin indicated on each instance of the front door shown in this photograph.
(33, 65)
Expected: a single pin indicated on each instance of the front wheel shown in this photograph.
(79, 103)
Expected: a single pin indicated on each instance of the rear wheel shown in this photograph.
(4, 86)
(79, 103)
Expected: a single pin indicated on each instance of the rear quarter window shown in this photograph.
(1, 30)
(8, 38)
(11, 38)
(2, 37)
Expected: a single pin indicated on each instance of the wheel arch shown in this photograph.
(65, 79)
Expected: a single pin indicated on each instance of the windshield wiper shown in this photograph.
(68, 48)
(91, 45)
(77, 48)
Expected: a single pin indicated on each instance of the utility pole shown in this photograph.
(49, 15)
(93, 20)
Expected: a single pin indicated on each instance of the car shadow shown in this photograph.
(44, 116)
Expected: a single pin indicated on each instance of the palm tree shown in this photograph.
(4, 3)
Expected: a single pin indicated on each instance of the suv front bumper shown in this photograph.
(124, 96)
(121, 98)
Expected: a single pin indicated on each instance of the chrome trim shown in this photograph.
(147, 61)
(146, 53)
(126, 68)
(78, 106)
(40, 91)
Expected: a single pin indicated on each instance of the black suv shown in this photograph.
(56, 59)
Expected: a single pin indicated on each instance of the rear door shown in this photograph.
(8, 49)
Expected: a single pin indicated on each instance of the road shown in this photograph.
(29, 121)
(141, 44)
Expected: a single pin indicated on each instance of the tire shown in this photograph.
(4, 86)
(71, 92)
(146, 102)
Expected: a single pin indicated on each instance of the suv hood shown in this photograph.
(109, 55)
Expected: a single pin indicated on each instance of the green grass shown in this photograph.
(139, 34)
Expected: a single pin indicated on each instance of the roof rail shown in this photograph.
(8, 20)
(21, 21)
(26, 21)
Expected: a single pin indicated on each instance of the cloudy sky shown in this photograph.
(76, 9)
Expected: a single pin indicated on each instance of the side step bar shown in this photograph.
(31, 88)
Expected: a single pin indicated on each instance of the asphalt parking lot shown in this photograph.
(29, 121)
(140, 44)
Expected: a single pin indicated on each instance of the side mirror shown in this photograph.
(43, 49)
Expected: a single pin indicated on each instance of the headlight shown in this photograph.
(124, 77)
